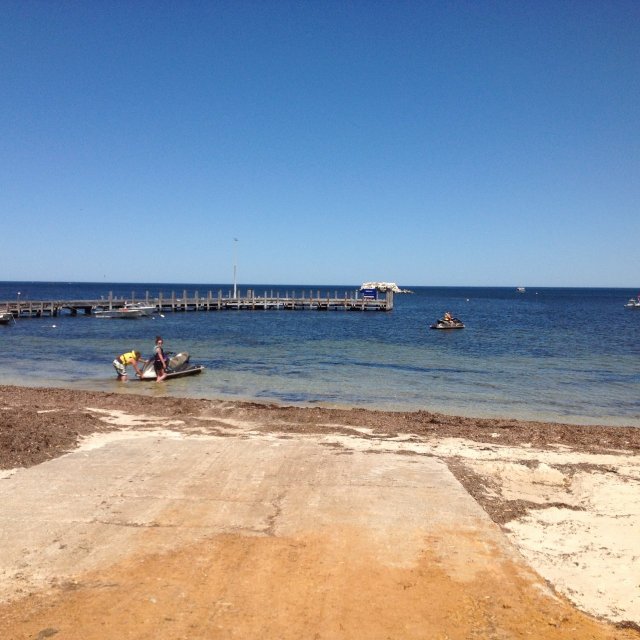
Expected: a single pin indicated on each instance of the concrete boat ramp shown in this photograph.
(159, 534)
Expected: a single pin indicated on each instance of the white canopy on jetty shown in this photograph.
(383, 287)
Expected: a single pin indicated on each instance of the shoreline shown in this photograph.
(110, 385)
(512, 431)
(566, 496)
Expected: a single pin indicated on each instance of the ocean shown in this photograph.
(552, 354)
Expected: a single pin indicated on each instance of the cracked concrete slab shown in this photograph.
(88, 508)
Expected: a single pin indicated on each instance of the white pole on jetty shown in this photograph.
(235, 290)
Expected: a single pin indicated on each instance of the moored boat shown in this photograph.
(6, 317)
(118, 313)
(145, 310)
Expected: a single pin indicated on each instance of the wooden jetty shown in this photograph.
(316, 300)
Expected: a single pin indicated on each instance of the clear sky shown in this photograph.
(427, 143)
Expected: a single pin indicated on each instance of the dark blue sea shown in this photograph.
(562, 355)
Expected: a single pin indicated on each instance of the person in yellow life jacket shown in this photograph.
(121, 362)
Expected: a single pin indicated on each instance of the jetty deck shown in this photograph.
(305, 300)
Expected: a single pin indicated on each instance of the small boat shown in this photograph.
(118, 313)
(520, 289)
(145, 310)
(179, 367)
(6, 317)
(633, 303)
(445, 323)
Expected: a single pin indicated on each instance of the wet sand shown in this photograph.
(564, 498)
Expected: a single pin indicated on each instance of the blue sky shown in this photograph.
(428, 143)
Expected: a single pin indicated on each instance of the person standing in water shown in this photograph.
(159, 360)
(121, 362)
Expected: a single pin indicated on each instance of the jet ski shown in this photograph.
(178, 367)
(454, 323)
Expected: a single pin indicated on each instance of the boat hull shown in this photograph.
(144, 310)
(191, 370)
(446, 326)
(179, 367)
(119, 314)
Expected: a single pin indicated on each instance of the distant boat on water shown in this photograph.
(520, 289)
(633, 303)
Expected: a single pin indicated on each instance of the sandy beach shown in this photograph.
(138, 517)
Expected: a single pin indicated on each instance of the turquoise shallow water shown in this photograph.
(555, 354)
